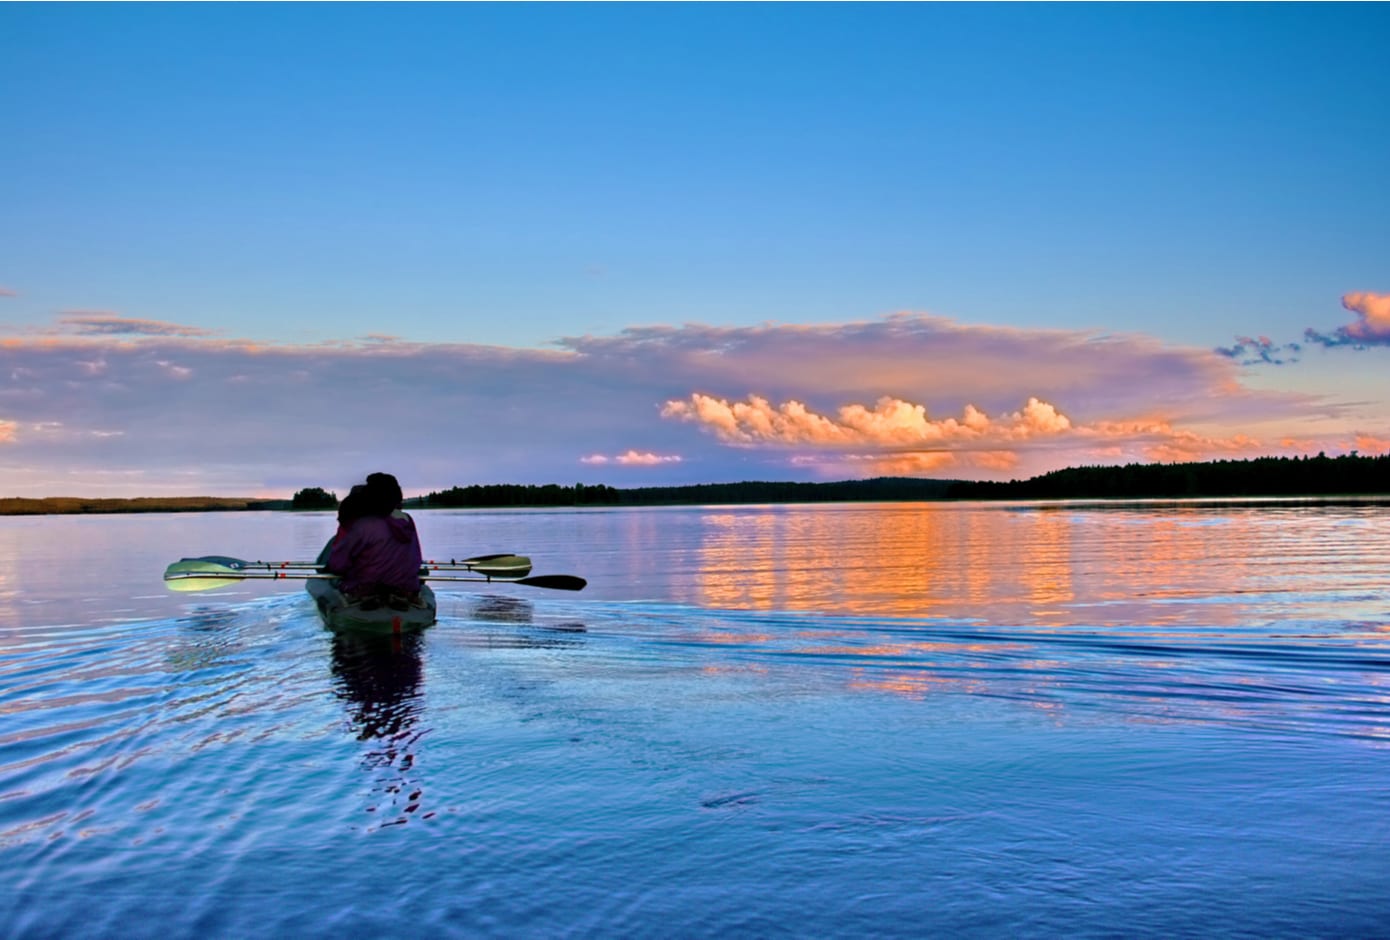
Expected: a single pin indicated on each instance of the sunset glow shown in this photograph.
(466, 273)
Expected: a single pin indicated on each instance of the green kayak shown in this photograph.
(371, 615)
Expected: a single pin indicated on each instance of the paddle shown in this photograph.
(500, 566)
(210, 572)
(499, 561)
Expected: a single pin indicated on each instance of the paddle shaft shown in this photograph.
(490, 564)
(559, 582)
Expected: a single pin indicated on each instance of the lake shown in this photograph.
(850, 720)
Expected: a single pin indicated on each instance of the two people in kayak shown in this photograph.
(376, 551)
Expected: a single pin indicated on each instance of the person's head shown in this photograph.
(384, 492)
(354, 506)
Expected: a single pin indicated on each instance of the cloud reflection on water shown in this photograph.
(1059, 565)
(1168, 612)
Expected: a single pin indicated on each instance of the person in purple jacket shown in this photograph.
(376, 552)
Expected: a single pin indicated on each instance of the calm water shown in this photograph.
(1151, 720)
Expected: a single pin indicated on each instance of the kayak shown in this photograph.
(373, 614)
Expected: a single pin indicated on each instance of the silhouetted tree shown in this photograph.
(314, 498)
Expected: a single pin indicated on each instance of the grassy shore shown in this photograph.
(73, 505)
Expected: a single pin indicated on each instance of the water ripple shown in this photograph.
(837, 721)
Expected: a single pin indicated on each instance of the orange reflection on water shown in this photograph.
(906, 559)
(1045, 564)
(1058, 565)
(1152, 583)
(913, 684)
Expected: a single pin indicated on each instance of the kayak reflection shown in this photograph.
(380, 677)
(500, 609)
(381, 680)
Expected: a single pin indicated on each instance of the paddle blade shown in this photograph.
(504, 565)
(217, 561)
(203, 574)
(559, 582)
(186, 583)
(186, 567)
(496, 566)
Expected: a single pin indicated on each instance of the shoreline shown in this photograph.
(78, 505)
(1347, 478)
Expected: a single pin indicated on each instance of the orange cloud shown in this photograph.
(7, 431)
(906, 464)
(892, 422)
(903, 440)
(1373, 445)
(1374, 310)
(1372, 327)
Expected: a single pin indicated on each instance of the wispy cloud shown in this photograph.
(1261, 349)
(101, 323)
(1371, 327)
(6, 292)
(917, 357)
(631, 458)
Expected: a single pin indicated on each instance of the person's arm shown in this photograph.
(341, 554)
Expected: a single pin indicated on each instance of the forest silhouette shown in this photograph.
(1349, 475)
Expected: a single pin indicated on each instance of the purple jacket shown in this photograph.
(377, 555)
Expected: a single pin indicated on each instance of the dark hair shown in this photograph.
(384, 494)
(354, 506)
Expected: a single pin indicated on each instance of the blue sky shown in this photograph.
(648, 244)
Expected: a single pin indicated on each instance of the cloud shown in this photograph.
(917, 357)
(913, 464)
(645, 459)
(1372, 444)
(6, 292)
(97, 323)
(173, 370)
(1374, 310)
(890, 422)
(158, 407)
(898, 437)
(1371, 328)
(631, 458)
(1255, 350)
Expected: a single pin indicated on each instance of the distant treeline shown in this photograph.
(1262, 476)
(1350, 475)
(73, 505)
(881, 489)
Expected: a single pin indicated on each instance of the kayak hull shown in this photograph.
(339, 612)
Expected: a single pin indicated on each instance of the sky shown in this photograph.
(251, 248)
